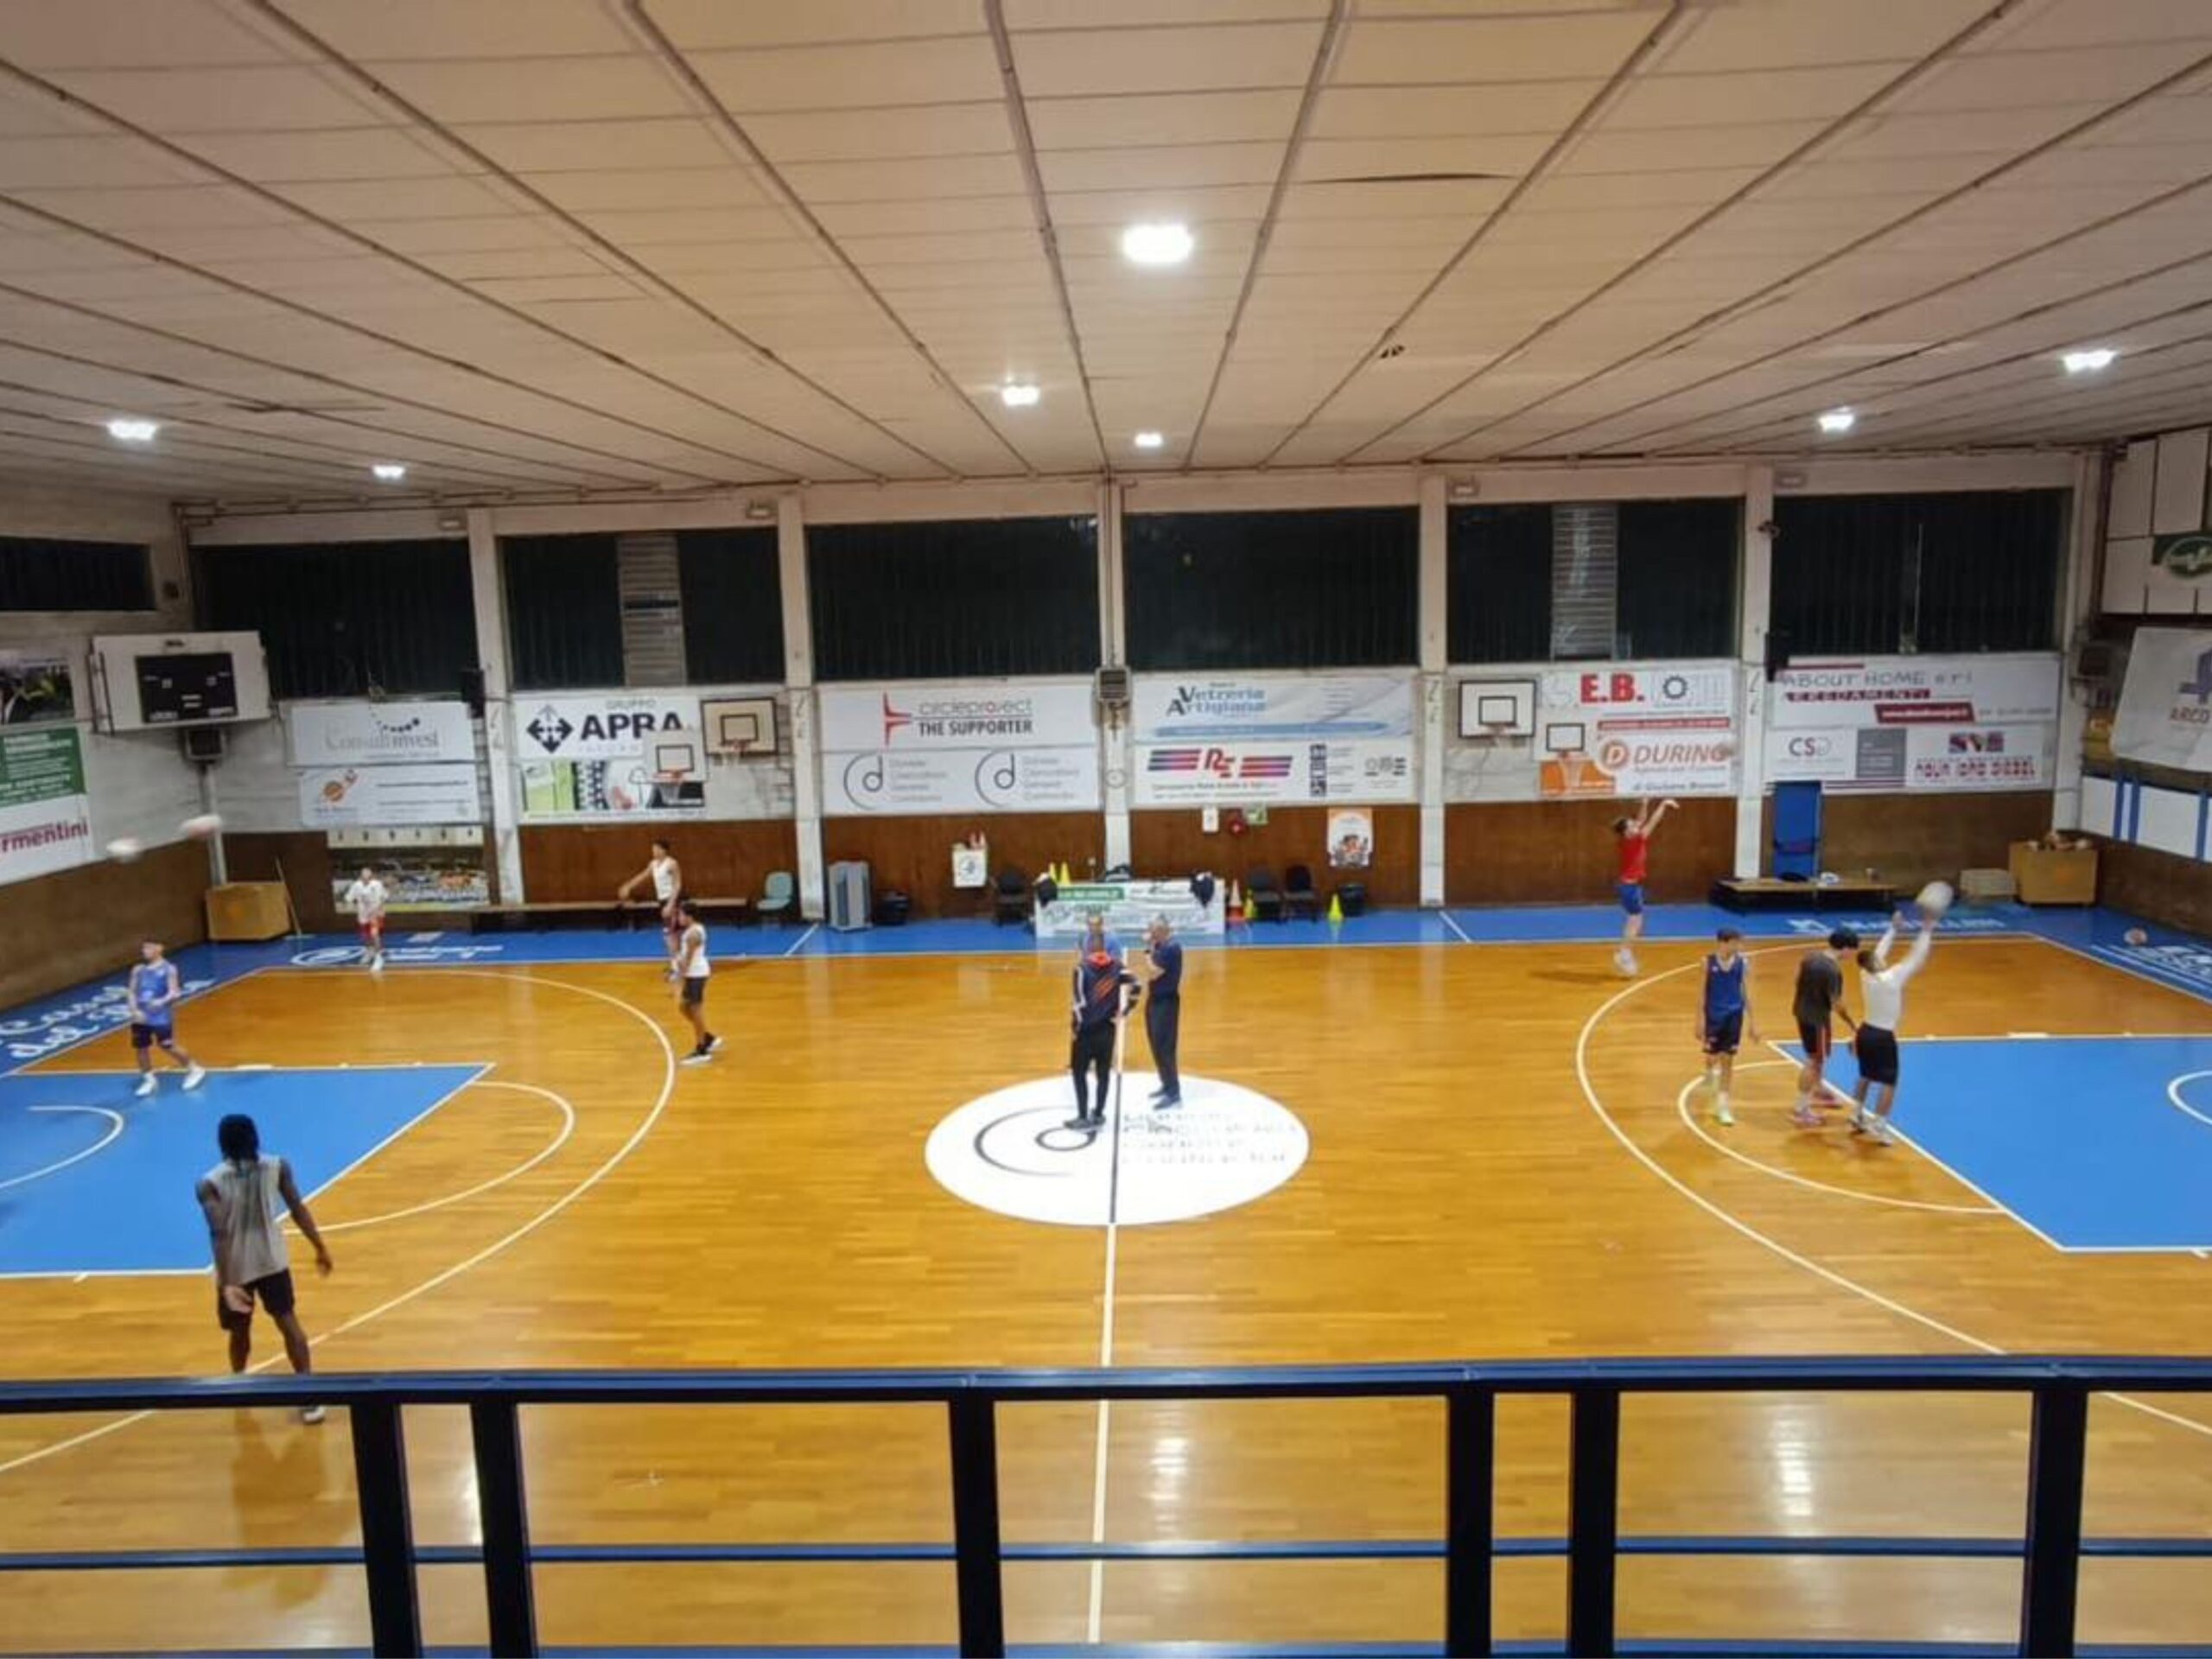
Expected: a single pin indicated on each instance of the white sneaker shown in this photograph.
(376, 965)
(1879, 1131)
(1724, 1116)
(1625, 962)
(194, 1078)
(147, 1084)
(312, 1414)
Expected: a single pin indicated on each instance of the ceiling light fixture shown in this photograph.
(1157, 244)
(132, 430)
(2088, 362)
(1149, 439)
(1837, 420)
(388, 471)
(1017, 395)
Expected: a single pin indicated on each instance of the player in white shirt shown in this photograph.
(244, 1198)
(693, 972)
(667, 878)
(365, 898)
(1881, 984)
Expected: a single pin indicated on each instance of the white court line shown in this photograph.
(812, 928)
(2173, 1094)
(114, 1128)
(1455, 926)
(109, 1031)
(560, 1139)
(637, 1139)
(1773, 1245)
(1098, 1612)
(1682, 1110)
(482, 1066)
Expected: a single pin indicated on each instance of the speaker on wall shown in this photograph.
(472, 690)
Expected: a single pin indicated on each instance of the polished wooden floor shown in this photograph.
(1467, 1195)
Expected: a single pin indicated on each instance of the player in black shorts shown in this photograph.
(1818, 1000)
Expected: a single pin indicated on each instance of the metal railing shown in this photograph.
(2050, 1547)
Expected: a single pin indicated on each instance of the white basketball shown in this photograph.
(123, 850)
(207, 825)
(1725, 749)
(1935, 899)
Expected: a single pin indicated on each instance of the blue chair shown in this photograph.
(778, 896)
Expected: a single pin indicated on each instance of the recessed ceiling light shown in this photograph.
(1157, 244)
(1149, 440)
(132, 430)
(2088, 362)
(1837, 420)
(388, 471)
(1017, 395)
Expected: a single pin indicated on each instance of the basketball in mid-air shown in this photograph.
(2136, 935)
(208, 824)
(124, 850)
(1935, 899)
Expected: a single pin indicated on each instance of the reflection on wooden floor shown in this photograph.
(1464, 1196)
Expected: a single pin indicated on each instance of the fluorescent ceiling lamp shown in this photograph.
(1149, 439)
(1014, 395)
(388, 471)
(2088, 362)
(1837, 420)
(1157, 244)
(132, 431)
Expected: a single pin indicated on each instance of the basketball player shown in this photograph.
(1100, 990)
(240, 1197)
(1722, 1012)
(154, 988)
(1635, 835)
(367, 897)
(667, 877)
(693, 970)
(1163, 1008)
(1819, 999)
(1883, 988)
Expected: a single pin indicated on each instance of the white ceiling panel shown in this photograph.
(1391, 52)
(956, 70)
(462, 29)
(53, 34)
(701, 25)
(524, 88)
(1074, 63)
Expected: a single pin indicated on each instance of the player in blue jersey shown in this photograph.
(1723, 1010)
(154, 990)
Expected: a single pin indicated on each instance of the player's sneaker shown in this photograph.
(1166, 1103)
(698, 1057)
(195, 1077)
(376, 962)
(312, 1414)
(146, 1086)
(1879, 1132)
(1723, 1115)
(712, 1043)
(1805, 1117)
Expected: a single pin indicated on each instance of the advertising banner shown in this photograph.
(379, 733)
(1243, 740)
(45, 818)
(1352, 839)
(1636, 731)
(599, 725)
(36, 686)
(958, 747)
(1929, 723)
(2165, 705)
(350, 798)
(596, 789)
(1129, 908)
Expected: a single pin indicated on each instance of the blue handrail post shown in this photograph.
(502, 1517)
(1592, 1518)
(1471, 1461)
(976, 1526)
(387, 1529)
(2058, 1458)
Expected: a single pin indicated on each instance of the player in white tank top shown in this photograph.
(243, 1198)
(694, 970)
(666, 876)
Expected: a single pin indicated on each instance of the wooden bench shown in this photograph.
(539, 914)
(1742, 893)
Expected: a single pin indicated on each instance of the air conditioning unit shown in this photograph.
(1113, 688)
(202, 744)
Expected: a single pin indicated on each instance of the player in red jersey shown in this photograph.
(1635, 835)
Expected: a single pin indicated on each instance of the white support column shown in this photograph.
(1434, 641)
(490, 599)
(2077, 605)
(798, 675)
(1113, 650)
(1754, 601)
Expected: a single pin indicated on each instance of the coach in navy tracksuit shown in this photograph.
(1163, 1010)
(1100, 982)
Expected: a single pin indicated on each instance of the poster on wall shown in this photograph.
(45, 818)
(1254, 740)
(379, 733)
(599, 725)
(958, 747)
(1351, 838)
(351, 798)
(2165, 704)
(1634, 731)
(34, 687)
(1904, 723)
(610, 755)
(594, 789)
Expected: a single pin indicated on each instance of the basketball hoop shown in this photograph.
(1572, 763)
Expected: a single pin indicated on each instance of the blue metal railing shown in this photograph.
(2050, 1547)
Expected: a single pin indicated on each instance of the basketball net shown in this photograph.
(1571, 765)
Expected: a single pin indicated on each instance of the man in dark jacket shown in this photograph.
(1100, 996)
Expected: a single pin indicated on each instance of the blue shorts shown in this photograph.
(1724, 1034)
(1631, 895)
(145, 1034)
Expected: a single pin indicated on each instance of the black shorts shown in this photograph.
(695, 992)
(147, 1036)
(273, 1293)
(1813, 1039)
(1723, 1035)
(1878, 1055)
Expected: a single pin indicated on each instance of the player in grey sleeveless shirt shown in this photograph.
(245, 1198)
